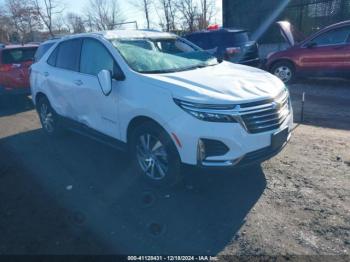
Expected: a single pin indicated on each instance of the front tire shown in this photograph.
(285, 71)
(155, 156)
(48, 118)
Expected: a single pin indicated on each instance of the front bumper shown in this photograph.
(15, 91)
(251, 158)
(244, 148)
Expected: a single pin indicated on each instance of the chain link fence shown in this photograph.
(306, 15)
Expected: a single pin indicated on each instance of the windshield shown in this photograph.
(162, 55)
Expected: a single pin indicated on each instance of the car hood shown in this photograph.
(221, 84)
(290, 33)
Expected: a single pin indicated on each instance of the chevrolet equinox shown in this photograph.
(162, 98)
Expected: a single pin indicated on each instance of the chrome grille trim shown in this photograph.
(269, 117)
(255, 117)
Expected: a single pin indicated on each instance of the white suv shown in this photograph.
(164, 99)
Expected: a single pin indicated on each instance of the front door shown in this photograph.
(95, 109)
(328, 53)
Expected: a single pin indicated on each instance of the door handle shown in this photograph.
(46, 74)
(78, 82)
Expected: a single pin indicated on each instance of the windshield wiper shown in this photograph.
(159, 71)
(176, 70)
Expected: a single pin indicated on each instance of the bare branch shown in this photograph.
(145, 7)
(47, 10)
(103, 14)
(188, 10)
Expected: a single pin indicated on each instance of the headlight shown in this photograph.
(210, 113)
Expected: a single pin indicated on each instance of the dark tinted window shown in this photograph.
(210, 40)
(333, 37)
(236, 38)
(18, 55)
(69, 54)
(42, 50)
(200, 40)
(52, 58)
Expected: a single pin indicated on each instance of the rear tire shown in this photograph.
(285, 71)
(48, 118)
(155, 156)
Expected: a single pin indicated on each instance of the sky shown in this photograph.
(129, 11)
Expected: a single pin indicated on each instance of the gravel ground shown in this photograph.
(75, 196)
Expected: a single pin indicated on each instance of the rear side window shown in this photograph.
(42, 50)
(52, 58)
(200, 40)
(18, 55)
(236, 38)
(222, 39)
(68, 55)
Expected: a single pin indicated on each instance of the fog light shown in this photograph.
(201, 150)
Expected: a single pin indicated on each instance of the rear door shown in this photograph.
(327, 53)
(14, 69)
(61, 77)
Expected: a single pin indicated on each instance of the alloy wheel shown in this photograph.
(152, 156)
(46, 117)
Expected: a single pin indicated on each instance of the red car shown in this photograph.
(325, 53)
(14, 68)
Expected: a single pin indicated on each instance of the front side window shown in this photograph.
(333, 37)
(69, 54)
(162, 55)
(20, 55)
(95, 58)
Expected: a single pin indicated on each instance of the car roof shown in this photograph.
(125, 34)
(51, 41)
(221, 30)
(340, 24)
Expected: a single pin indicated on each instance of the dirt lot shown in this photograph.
(75, 196)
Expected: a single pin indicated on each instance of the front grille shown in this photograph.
(266, 115)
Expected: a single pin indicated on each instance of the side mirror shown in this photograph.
(311, 44)
(105, 79)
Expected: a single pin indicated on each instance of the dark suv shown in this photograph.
(233, 45)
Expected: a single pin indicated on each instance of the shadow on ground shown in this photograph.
(75, 196)
(11, 105)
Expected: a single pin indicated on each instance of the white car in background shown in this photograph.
(162, 98)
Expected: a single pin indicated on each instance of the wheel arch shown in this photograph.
(281, 60)
(38, 96)
(139, 120)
